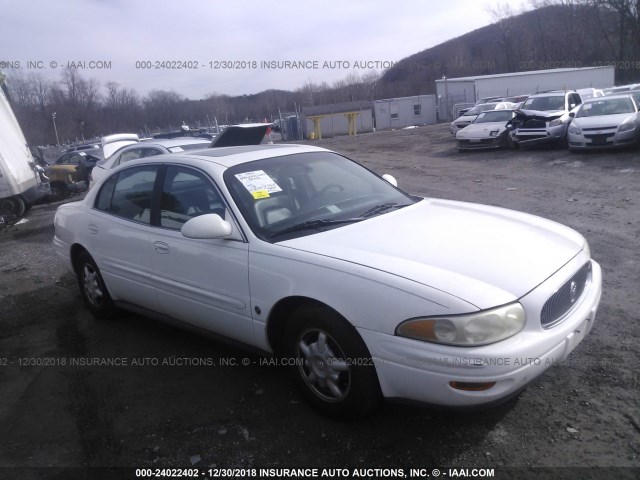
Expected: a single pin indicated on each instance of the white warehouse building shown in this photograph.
(468, 90)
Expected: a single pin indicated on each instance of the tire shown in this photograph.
(333, 367)
(92, 287)
(511, 144)
(13, 206)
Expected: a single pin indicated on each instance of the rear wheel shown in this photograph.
(333, 366)
(92, 287)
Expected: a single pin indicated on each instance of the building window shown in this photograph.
(393, 109)
(417, 109)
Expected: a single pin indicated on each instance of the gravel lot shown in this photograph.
(582, 413)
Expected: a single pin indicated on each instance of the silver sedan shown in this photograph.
(605, 122)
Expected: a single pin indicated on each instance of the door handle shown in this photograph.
(93, 228)
(161, 247)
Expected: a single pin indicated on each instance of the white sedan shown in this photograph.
(367, 291)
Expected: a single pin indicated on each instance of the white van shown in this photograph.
(21, 184)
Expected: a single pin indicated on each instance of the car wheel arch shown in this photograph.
(76, 250)
(280, 314)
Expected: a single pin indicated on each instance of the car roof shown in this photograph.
(231, 156)
(173, 142)
(558, 93)
(608, 97)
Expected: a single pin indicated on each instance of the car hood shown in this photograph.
(539, 114)
(111, 143)
(484, 255)
(603, 121)
(481, 130)
(465, 118)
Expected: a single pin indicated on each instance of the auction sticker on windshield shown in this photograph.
(258, 183)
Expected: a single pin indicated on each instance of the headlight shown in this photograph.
(494, 133)
(626, 126)
(574, 130)
(468, 330)
(556, 122)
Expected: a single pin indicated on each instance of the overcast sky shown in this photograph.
(216, 34)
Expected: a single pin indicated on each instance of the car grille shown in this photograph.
(483, 141)
(600, 139)
(565, 297)
(534, 124)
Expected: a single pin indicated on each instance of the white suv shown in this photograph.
(543, 118)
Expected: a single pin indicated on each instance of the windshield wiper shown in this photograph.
(380, 208)
(317, 224)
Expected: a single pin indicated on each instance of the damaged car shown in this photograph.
(70, 172)
(543, 118)
(489, 130)
(605, 122)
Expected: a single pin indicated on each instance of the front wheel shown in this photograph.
(333, 366)
(13, 206)
(92, 287)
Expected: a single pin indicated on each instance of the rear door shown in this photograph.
(119, 234)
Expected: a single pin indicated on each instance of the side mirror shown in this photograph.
(207, 226)
(390, 179)
(572, 114)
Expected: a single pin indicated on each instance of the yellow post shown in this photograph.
(317, 132)
(351, 117)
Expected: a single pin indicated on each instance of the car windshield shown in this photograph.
(481, 108)
(295, 195)
(494, 116)
(611, 106)
(545, 104)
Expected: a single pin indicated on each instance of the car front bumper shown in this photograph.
(588, 141)
(423, 372)
(481, 143)
(535, 136)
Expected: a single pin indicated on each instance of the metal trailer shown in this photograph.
(393, 113)
(21, 181)
(452, 91)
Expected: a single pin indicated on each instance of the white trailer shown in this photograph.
(21, 184)
(468, 90)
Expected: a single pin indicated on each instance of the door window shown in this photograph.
(187, 194)
(128, 194)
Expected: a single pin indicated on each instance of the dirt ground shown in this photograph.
(582, 413)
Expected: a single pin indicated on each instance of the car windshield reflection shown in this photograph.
(296, 195)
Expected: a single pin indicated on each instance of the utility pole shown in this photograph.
(53, 116)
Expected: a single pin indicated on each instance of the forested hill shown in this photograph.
(569, 34)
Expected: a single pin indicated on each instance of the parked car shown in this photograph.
(516, 98)
(72, 170)
(488, 100)
(605, 122)
(148, 148)
(543, 118)
(365, 290)
(489, 130)
(587, 93)
(469, 116)
(621, 89)
(130, 148)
